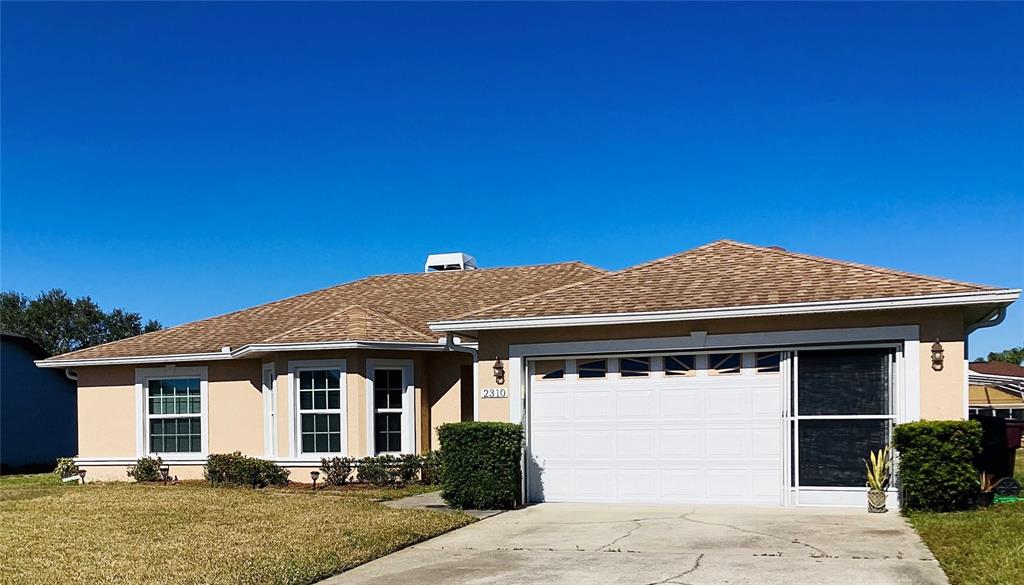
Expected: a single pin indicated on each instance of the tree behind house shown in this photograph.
(60, 324)
(1014, 355)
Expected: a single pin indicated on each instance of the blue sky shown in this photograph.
(183, 160)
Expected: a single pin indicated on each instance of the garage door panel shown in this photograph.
(727, 403)
(680, 403)
(766, 443)
(634, 404)
(767, 402)
(594, 483)
(551, 443)
(682, 443)
(635, 444)
(684, 484)
(592, 405)
(732, 443)
(592, 444)
(551, 406)
(638, 484)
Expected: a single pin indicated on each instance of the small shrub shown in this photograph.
(337, 470)
(65, 468)
(480, 464)
(431, 472)
(378, 471)
(237, 469)
(408, 469)
(936, 470)
(146, 469)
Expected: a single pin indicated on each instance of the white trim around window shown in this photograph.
(143, 416)
(295, 367)
(408, 404)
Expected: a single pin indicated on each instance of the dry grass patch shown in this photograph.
(191, 534)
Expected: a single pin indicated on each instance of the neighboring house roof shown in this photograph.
(996, 383)
(997, 369)
(34, 348)
(389, 308)
(722, 274)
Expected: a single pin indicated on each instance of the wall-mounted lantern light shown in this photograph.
(499, 371)
(937, 356)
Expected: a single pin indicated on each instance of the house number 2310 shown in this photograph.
(493, 393)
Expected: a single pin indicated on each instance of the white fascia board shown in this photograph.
(146, 359)
(1002, 296)
(241, 352)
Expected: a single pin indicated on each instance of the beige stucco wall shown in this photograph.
(106, 411)
(942, 392)
(236, 400)
(444, 391)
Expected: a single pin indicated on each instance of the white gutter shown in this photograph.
(241, 352)
(1006, 296)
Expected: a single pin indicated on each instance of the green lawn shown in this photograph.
(981, 547)
(150, 534)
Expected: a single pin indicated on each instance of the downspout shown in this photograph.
(450, 345)
(991, 320)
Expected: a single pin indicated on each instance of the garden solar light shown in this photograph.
(314, 475)
(81, 474)
(499, 371)
(937, 356)
(165, 472)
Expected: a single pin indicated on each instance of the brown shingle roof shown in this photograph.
(378, 308)
(997, 369)
(719, 275)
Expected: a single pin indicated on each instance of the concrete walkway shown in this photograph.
(652, 545)
(433, 501)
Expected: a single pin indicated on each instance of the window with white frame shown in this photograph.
(549, 369)
(174, 415)
(320, 409)
(721, 364)
(634, 367)
(388, 408)
(591, 368)
(680, 365)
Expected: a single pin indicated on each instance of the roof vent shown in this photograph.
(450, 261)
(779, 248)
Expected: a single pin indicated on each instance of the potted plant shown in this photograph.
(878, 479)
(988, 490)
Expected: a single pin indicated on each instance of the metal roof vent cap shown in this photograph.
(449, 261)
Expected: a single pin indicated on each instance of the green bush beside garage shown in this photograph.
(481, 464)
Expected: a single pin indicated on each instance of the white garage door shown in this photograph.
(704, 428)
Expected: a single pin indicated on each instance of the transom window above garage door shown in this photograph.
(647, 366)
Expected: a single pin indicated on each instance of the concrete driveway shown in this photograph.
(596, 544)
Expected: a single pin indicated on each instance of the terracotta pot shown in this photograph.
(876, 501)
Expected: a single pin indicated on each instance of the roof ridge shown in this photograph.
(479, 270)
(307, 324)
(850, 264)
(345, 310)
(582, 282)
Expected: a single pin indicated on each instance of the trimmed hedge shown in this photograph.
(480, 464)
(237, 469)
(936, 464)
